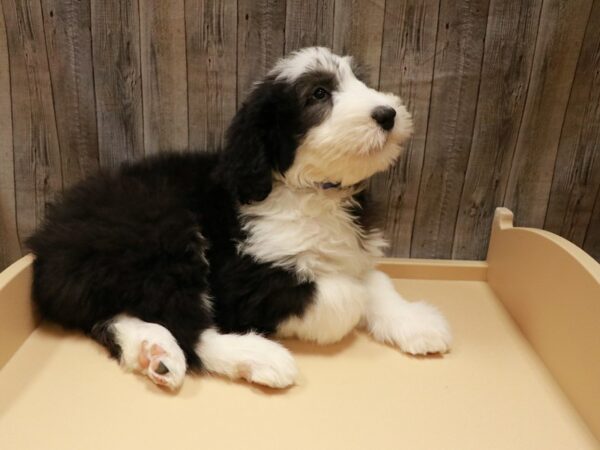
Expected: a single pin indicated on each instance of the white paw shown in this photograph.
(272, 366)
(424, 330)
(165, 366)
(417, 328)
(249, 356)
(150, 349)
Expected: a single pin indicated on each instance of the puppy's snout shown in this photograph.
(384, 116)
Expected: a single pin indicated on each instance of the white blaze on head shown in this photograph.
(302, 61)
(348, 145)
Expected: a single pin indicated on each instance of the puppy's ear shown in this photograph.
(261, 139)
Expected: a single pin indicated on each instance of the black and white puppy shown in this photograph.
(189, 261)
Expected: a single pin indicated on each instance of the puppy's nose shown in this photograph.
(384, 116)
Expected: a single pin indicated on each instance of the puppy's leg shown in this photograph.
(143, 347)
(416, 328)
(249, 356)
(337, 307)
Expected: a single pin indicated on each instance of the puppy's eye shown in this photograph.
(320, 93)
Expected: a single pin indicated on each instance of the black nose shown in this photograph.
(384, 116)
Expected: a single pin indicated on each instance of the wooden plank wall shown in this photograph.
(505, 96)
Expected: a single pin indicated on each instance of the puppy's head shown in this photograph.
(311, 122)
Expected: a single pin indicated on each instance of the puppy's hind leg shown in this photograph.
(143, 347)
(249, 356)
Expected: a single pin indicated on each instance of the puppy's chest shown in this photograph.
(310, 234)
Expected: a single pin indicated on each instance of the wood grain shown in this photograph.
(69, 46)
(577, 170)
(562, 26)
(9, 240)
(509, 44)
(459, 51)
(117, 80)
(164, 75)
(261, 36)
(37, 161)
(358, 31)
(407, 55)
(308, 23)
(505, 96)
(211, 28)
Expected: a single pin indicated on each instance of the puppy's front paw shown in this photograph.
(271, 365)
(423, 330)
(416, 328)
(249, 356)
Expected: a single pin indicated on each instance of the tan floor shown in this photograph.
(491, 392)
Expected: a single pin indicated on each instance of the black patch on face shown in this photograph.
(265, 132)
(314, 110)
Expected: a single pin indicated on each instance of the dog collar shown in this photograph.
(329, 185)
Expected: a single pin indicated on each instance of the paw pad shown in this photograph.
(161, 367)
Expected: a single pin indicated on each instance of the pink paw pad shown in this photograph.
(150, 362)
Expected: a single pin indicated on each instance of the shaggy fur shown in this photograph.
(189, 260)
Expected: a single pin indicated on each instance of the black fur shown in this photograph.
(103, 333)
(367, 211)
(128, 242)
(262, 138)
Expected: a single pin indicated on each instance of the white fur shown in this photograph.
(306, 59)
(249, 356)
(416, 328)
(348, 146)
(136, 338)
(338, 306)
(309, 231)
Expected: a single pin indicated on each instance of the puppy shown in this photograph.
(191, 261)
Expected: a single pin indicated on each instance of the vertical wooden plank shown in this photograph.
(37, 154)
(459, 51)
(69, 46)
(592, 237)
(211, 29)
(408, 51)
(562, 25)
(509, 47)
(577, 169)
(9, 240)
(261, 36)
(164, 75)
(117, 80)
(308, 23)
(358, 31)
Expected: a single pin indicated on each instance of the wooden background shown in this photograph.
(505, 96)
